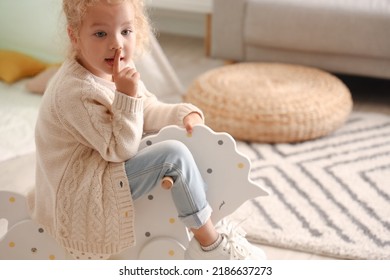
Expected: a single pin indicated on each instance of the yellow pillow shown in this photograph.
(15, 66)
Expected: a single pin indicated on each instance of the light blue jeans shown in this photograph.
(171, 158)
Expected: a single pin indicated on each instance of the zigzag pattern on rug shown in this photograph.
(329, 196)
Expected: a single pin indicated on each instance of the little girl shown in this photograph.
(92, 117)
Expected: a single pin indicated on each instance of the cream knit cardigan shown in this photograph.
(84, 133)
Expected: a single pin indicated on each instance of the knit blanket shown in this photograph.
(329, 196)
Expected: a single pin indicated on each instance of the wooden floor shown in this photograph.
(187, 55)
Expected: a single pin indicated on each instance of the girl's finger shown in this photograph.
(117, 58)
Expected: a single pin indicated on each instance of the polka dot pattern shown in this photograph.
(24, 238)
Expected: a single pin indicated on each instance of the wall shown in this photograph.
(180, 23)
(33, 27)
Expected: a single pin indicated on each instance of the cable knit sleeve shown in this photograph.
(108, 122)
(158, 114)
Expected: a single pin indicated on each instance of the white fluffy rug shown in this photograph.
(330, 196)
(18, 114)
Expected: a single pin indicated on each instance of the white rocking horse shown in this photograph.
(159, 234)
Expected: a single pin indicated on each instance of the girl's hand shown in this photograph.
(191, 120)
(126, 79)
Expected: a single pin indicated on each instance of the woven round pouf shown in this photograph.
(271, 102)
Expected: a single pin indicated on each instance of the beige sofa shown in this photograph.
(342, 36)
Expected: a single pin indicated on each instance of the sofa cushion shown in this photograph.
(350, 27)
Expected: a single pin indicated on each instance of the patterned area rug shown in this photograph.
(329, 196)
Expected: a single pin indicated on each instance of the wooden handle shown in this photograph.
(167, 183)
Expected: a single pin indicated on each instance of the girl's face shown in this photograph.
(105, 28)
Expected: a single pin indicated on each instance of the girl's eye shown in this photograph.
(126, 32)
(100, 34)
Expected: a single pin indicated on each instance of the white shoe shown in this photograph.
(234, 246)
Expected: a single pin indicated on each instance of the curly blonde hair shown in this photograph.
(75, 10)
